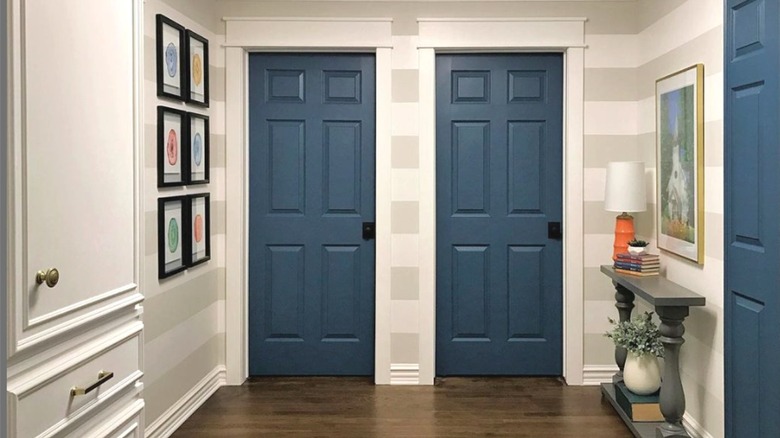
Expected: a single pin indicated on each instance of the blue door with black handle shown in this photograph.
(311, 190)
(499, 191)
(752, 218)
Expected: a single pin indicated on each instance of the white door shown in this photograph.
(73, 136)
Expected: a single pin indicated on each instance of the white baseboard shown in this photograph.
(177, 414)
(693, 427)
(593, 375)
(405, 374)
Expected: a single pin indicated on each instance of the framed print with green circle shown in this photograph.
(171, 235)
(197, 150)
(199, 227)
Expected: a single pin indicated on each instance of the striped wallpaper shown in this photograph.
(630, 45)
(184, 314)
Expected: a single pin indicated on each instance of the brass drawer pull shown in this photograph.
(103, 377)
(49, 276)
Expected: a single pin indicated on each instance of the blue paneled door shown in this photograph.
(311, 187)
(499, 121)
(752, 231)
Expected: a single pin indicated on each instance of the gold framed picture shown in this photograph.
(679, 106)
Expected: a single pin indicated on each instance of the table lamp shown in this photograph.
(625, 193)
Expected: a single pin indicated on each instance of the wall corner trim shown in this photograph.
(177, 414)
(405, 374)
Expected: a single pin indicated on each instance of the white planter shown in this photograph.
(641, 374)
(636, 250)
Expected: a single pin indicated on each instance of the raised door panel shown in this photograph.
(75, 130)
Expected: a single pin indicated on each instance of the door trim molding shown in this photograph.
(562, 35)
(264, 34)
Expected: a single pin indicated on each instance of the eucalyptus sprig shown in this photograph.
(639, 336)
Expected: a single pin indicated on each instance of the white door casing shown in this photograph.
(263, 34)
(559, 34)
(245, 34)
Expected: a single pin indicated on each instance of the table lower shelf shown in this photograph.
(640, 430)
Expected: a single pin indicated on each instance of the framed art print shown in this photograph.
(199, 219)
(198, 69)
(197, 155)
(679, 103)
(170, 74)
(171, 131)
(171, 235)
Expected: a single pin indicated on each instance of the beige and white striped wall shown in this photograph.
(630, 44)
(184, 314)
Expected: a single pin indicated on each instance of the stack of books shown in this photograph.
(641, 265)
(639, 408)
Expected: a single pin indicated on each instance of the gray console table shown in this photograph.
(672, 303)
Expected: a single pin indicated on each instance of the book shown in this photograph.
(627, 267)
(638, 257)
(639, 408)
(621, 264)
(635, 273)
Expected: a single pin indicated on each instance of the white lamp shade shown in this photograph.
(625, 187)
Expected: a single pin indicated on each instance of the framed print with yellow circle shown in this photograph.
(197, 54)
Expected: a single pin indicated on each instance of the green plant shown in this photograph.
(638, 243)
(639, 336)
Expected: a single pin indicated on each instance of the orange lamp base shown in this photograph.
(624, 233)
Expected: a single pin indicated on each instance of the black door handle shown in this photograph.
(369, 230)
(554, 230)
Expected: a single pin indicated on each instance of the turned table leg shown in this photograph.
(672, 397)
(624, 304)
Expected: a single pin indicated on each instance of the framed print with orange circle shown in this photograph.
(198, 221)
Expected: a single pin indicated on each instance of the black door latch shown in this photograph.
(554, 230)
(369, 230)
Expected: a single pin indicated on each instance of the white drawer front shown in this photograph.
(124, 419)
(45, 406)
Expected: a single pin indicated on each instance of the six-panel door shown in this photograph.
(752, 213)
(311, 274)
(499, 166)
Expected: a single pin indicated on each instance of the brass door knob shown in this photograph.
(50, 276)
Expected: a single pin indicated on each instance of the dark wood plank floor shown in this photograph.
(455, 407)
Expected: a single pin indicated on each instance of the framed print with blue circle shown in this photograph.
(197, 61)
(171, 73)
(172, 233)
(197, 153)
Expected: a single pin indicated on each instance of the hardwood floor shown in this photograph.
(455, 407)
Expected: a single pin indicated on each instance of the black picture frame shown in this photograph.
(197, 153)
(194, 73)
(167, 227)
(170, 59)
(194, 229)
(171, 147)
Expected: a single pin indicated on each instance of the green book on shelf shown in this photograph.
(639, 408)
